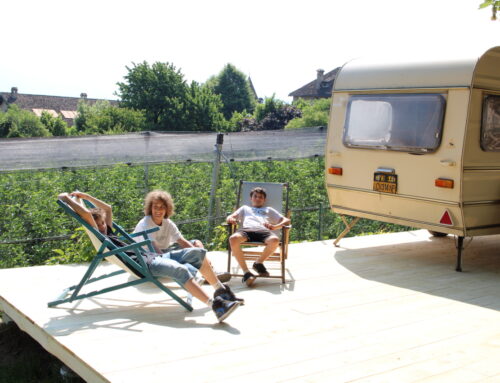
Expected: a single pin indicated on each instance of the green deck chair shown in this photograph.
(107, 250)
(277, 197)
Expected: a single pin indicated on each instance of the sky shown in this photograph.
(66, 47)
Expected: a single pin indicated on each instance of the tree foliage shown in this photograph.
(167, 102)
(242, 122)
(159, 90)
(234, 90)
(103, 118)
(495, 6)
(314, 113)
(204, 110)
(55, 125)
(273, 114)
(16, 122)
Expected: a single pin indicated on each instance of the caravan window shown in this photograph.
(404, 122)
(490, 127)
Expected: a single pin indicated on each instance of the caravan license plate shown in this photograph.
(385, 183)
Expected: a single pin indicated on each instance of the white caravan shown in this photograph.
(418, 144)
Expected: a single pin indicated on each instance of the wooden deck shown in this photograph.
(384, 308)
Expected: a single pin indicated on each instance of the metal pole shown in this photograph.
(215, 183)
(146, 179)
(320, 223)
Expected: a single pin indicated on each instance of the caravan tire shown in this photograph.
(437, 233)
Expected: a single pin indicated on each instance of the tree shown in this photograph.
(314, 113)
(204, 110)
(103, 118)
(243, 122)
(55, 125)
(234, 91)
(17, 122)
(275, 114)
(271, 115)
(160, 91)
(495, 6)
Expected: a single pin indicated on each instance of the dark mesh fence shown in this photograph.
(16, 154)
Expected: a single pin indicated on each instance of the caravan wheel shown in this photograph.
(437, 233)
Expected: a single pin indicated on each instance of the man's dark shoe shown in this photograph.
(222, 308)
(248, 278)
(228, 295)
(261, 269)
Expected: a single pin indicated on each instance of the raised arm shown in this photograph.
(80, 209)
(98, 203)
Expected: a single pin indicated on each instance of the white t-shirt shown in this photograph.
(166, 236)
(255, 217)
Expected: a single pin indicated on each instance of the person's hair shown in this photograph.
(97, 212)
(159, 195)
(258, 190)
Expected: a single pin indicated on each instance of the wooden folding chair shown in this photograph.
(107, 250)
(277, 198)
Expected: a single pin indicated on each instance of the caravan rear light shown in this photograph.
(335, 170)
(443, 183)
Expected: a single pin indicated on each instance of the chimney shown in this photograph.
(319, 77)
(13, 95)
(83, 95)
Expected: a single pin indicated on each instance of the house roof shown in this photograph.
(322, 89)
(66, 107)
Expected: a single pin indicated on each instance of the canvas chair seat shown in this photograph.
(277, 198)
(109, 251)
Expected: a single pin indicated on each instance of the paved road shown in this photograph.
(156, 147)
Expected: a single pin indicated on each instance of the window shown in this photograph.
(490, 127)
(404, 122)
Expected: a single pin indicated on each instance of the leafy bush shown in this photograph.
(17, 122)
(55, 125)
(273, 114)
(31, 216)
(103, 118)
(314, 113)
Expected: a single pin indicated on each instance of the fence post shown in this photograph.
(146, 179)
(215, 183)
(320, 223)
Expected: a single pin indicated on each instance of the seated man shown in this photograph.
(158, 208)
(256, 223)
(173, 264)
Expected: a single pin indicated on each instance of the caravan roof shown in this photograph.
(363, 74)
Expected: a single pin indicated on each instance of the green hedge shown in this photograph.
(30, 212)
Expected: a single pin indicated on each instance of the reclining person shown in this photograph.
(158, 208)
(256, 225)
(173, 264)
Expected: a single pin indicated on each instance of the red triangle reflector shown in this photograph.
(446, 218)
